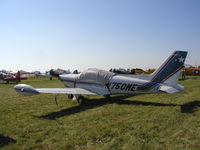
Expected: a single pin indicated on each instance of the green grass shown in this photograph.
(149, 121)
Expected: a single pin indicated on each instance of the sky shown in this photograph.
(81, 34)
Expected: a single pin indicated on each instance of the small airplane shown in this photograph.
(105, 83)
(11, 77)
(127, 71)
(46, 74)
(58, 72)
(39, 74)
(52, 73)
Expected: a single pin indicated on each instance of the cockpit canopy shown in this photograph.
(98, 75)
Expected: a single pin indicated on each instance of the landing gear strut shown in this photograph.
(80, 99)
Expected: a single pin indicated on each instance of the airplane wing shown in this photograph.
(170, 89)
(64, 91)
(29, 90)
(80, 91)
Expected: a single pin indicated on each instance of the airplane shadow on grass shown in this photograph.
(190, 107)
(5, 140)
(90, 104)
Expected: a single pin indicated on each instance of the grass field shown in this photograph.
(149, 122)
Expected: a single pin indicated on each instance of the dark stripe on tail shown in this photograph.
(169, 68)
(174, 64)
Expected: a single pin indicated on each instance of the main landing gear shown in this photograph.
(80, 99)
(70, 96)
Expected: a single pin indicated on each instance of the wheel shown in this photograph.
(81, 100)
(70, 96)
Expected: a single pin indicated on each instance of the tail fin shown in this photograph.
(169, 71)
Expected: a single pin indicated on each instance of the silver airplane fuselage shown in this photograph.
(118, 84)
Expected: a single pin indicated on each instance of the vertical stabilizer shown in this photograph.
(169, 71)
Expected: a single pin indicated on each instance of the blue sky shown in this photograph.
(81, 34)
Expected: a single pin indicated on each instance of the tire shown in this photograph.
(81, 100)
(70, 96)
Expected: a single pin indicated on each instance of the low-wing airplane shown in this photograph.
(39, 74)
(11, 77)
(46, 74)
(58, 72)
(100, 82)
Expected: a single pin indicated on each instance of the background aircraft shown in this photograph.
(128, 71)
(46, 74)
(94, 81)
(57, 72)
(11, 77)
(52, 73)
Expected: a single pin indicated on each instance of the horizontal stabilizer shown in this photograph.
(170, 89)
